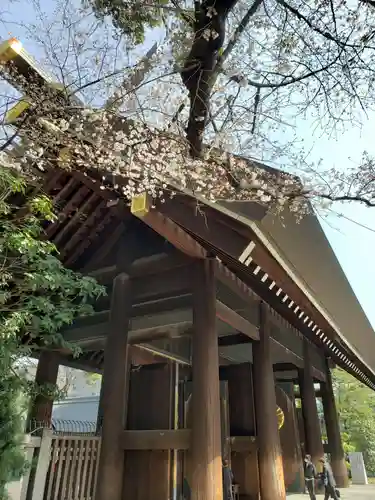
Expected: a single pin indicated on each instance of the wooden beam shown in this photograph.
(248, 309)
(158, 263)
(284, 367)
(77, 218)
(73, 246)
(105, 248)
(227, 315)
(104, 275)
(142, 267)
(236, 339)
(172, 323)
(230, 280)
(295, 360)
(174, 234)
(72, 205)
(243, 444)
(177, 440)
(297, 395)
(80, 364)
(157, 440)
(165, 283)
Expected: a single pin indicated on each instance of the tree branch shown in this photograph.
(347, 197)
(290, 80)
(238, 32)
(325, 34)
(132, 82)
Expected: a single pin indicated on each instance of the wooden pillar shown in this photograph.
(46, 375)
(313, 435)
(244, 464)
(114, 394)
(333, 432)
(99, 418)
(271, 474)
(289, 439)
(206, 478)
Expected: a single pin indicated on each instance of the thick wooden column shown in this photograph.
(46, 375)
(206, 478)
(114, 393)
(289, 439)
(313, 435)
(271, 474)
(333, 432)
(244, 464)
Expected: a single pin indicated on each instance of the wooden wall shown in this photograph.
(147, 473)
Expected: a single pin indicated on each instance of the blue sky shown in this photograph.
(353, 242)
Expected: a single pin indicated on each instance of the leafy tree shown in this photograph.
(356, 407)
(38, 296)
(130, 18)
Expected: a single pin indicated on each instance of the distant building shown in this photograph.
(81, 403)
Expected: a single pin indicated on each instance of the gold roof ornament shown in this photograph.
(65, 157)
(140, 205)
(20, 69)
(9, 50)
(15, 62)
(17, 111)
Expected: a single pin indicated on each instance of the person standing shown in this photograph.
(328, 481)
(310, 476)
(227, 481)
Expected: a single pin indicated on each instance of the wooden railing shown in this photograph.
(62, 468)
(73, 466)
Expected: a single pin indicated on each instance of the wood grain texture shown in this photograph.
(333, 433)
(271, 473)
(114, 394)
(206, 478)
(313, 435)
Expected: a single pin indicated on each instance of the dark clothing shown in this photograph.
(327, 475)
(330, 491)
(310, 475)
(310, 471)
(329, 482)
(227, 483)
(310, 486)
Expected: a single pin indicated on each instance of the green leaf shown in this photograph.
(38, 297)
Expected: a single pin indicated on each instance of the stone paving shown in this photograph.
(352, 493)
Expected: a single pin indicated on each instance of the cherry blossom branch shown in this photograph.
(325, 34)
(346, 197)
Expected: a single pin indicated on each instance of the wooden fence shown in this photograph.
(63, 468)
(73, 467)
